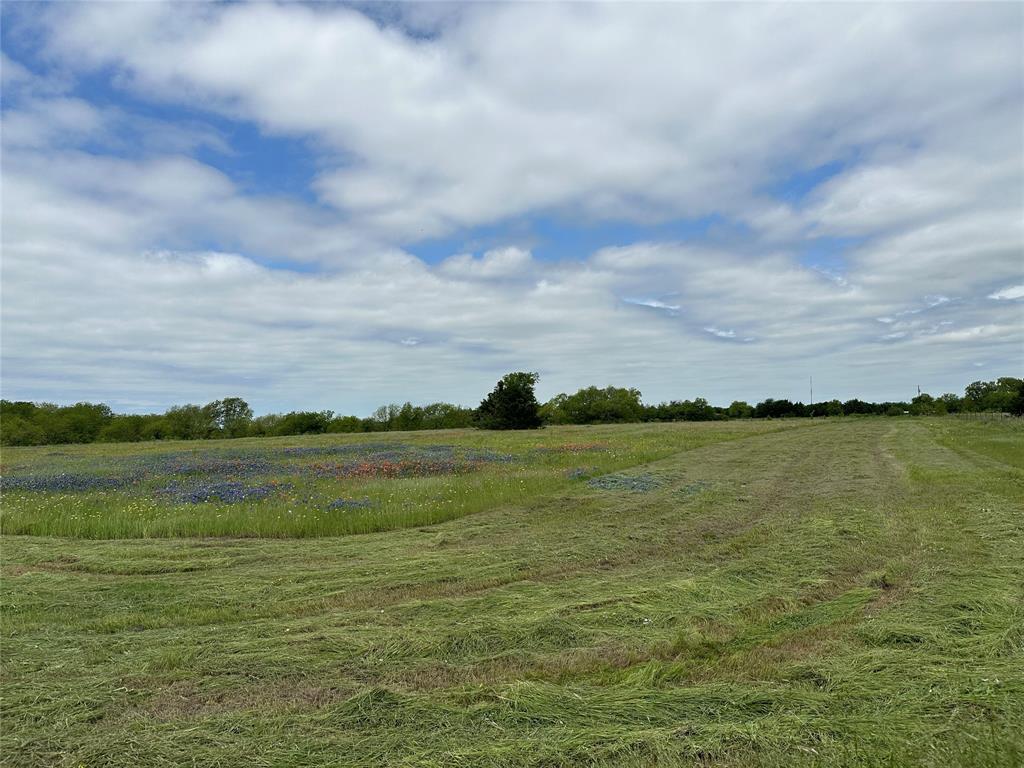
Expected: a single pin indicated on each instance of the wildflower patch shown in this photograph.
(226, 492)
(65, 483)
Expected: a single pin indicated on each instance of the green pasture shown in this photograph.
(843, 592)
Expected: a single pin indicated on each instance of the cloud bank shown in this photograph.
(276, 200)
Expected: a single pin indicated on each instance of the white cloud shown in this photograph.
(170, 199)
(48, 121)
(499, 263)
(1009, 292)
(730, 334)
(653, 304)
(979, 333)
(520, 107)
(135, 267)
(914, 190)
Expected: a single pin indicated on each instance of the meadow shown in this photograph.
(841, 592)
(316, 485)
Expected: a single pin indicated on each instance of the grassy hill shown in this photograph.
(840, 593)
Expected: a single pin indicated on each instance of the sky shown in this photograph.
(319, 206)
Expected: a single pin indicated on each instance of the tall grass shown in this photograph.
(541, 461)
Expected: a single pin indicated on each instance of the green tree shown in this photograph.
(187, 422)
(346, 424)
(1008, 390)
(553, 411)
(512, 404)
(78, 423)
(265, 425)
(922, 405)
(1016, 405)
(230, 417)
(855, 406)
(123, 429)
(386, 416)
(303, 423)
(999, 395)
(951, 402)
(446, 416)
(594, 406)
(832, 408)
(409, 418)
(740, 410)
(18, 430)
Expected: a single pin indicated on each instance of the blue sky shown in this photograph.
(335, 206)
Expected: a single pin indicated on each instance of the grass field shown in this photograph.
(834, 593)
(317, 486)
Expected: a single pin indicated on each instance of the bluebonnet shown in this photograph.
(231, 492)
(189, 464)
(487, 455)
(64, 482)
(218, 475)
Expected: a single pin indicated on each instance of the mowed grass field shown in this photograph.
(834, 593)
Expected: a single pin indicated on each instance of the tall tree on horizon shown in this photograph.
(512, 404)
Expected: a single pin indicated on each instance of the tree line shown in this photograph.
(511, 405)
(594, 405)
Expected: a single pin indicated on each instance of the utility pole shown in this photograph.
(812, 390)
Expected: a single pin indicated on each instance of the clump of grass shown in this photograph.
(621, 482)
